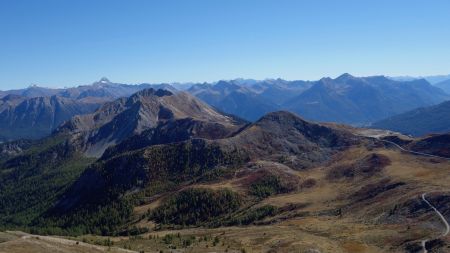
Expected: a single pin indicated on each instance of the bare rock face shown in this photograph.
(153, 111)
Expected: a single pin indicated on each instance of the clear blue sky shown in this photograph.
(66, 43)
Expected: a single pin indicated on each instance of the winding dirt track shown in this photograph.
(447, 226)
(413, 152)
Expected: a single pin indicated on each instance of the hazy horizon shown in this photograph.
(62, 43)
(443, 76)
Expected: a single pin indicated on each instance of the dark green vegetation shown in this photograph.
(269, 185)
(107, 218)
(213, 208)
(100, 201)
(32, 181)
(196, 206)
(426, 120)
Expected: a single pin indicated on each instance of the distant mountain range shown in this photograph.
(102, 89)
(345, 99)
(34, 118)
(431, 79)
(34, 112)
(249, 99)
(444, 85)
(421, 121)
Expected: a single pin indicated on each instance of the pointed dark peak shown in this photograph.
(102, 82)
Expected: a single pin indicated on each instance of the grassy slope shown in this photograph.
(363, 215)
(362, 225)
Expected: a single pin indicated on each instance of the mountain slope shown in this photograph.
(444, 85)
(355, 100)
(174, 130)
(147, 109)
(282, 132)
(231, 97)
(51, 164)
(279, 179)
(188, 177)
(34, 175)
(426, 120)
(345, 99)
(33, 118)
(249, 99)
(148, 171)
(437, 144)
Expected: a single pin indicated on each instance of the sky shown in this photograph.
(58, 43)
